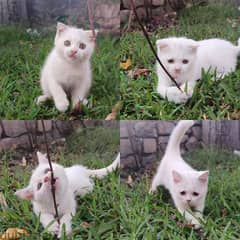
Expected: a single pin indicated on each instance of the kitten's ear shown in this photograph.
(90, 34)
(61, 27)
(176, 177)
(203, 177)
(25, 193)
(161, 44)
(42, 158)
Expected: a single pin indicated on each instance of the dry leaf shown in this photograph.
(3, 202)
(224, 212)
(85, 225)
(136, 72)
(113, 114)
(125, 65)
(13, 233)
(24, 162)
(130, 181)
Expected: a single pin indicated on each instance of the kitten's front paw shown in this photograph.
(54, 228)
(152, 190)
(41, 99)
(67, 228)
(174, 95)
(196, 224)
(62, 105)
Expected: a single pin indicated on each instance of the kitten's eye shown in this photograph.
(82, 45)
(47, 170)
(67, 43)
(185, 61)
(195, 194)
(182, 193)
(39, 186)
(170, 60)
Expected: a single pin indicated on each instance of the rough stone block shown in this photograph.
(125, 148)
(146, 129)
(149, 145)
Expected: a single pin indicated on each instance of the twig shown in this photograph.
(91, 21)
(151, 46)
(52, 175)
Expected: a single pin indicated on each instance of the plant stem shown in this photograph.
(52, 174)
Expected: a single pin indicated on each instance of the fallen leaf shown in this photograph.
(24, 162)
(85, 225)
(130, 181)
(13, 233)
(224, 212)
(125, 65)
(113, 114)
(136, 72)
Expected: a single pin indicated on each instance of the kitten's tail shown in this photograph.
(101, 173)
(236, 152)
(177, 135)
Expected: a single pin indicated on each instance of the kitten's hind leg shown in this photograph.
(155, 183)
(42, 98)
(79, 96)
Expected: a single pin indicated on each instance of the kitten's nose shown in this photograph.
(73, 52)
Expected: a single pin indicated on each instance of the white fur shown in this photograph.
(72, 181)
(65, 74)
(213, 54)
(237, 152)
(177, 176)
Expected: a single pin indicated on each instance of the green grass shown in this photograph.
(211, 100)
(154, 217)
(100, 209)
(21, 59)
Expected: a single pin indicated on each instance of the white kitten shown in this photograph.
(187, 186)
(68, 183)
(67, 70)
(185, 58)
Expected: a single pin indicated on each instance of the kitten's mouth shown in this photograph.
(73, 56)
(54, 182)
(192, 207)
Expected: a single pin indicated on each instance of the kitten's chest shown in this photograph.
(70, 78)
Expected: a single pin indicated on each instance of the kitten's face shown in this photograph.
(39, 188)
(178, 55)
(190, 187)
(73, 44)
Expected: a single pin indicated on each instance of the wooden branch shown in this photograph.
(151, 46)
(52, 174)
(91, 21)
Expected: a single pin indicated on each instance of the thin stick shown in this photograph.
(151, 46)
(91, 21)
(52, 175)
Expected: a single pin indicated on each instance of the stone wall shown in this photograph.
(147, 9)
(143, 142)
(29, 134)
(34, 13)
